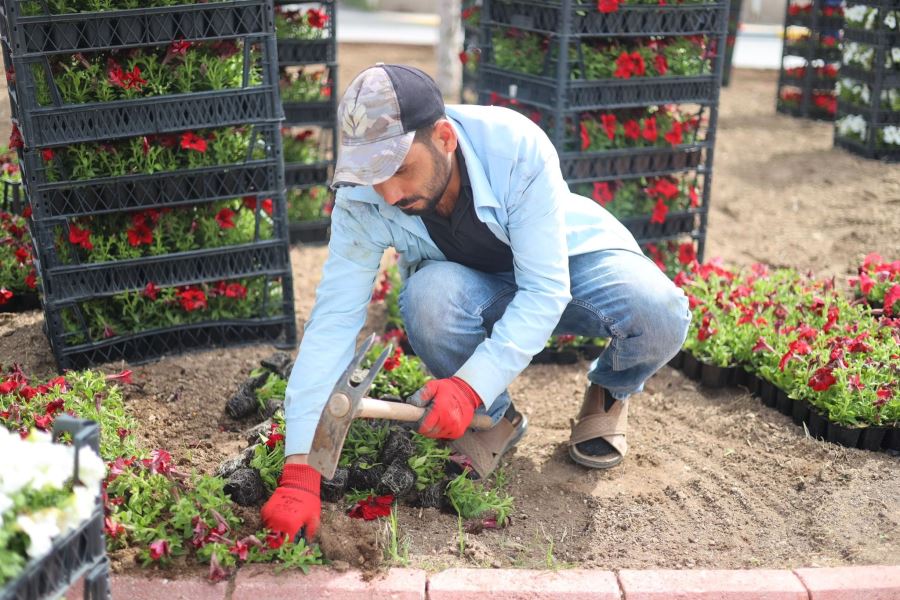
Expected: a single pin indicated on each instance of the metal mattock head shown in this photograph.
(342, 406)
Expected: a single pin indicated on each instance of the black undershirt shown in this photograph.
(463, 238)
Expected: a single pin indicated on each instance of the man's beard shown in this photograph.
(435, 189)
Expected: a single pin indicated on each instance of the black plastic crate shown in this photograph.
(872, 38)
(305, 52)
(80, 32)
(865, 150)
(142, 347)
(299, 174)
(885, 80)
(675, 223)
(63, 124)
(323, 114)
(578, 167)
(13, 197)
(81, 552)
(883, 116)
(67, 283)
(314, 232)
(70, 197)
(593, 94)
(734, 23)
(586, 20)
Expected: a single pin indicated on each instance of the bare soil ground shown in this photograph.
(713, 479)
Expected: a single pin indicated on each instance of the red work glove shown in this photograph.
(451, 405)
(295, 507)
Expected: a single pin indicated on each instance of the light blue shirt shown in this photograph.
(520, 194)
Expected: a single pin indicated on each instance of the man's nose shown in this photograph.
(392, 194)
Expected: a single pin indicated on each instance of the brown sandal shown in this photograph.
(484, 449)
(600, 419)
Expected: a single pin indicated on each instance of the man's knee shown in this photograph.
(665, 313)
(428, 296)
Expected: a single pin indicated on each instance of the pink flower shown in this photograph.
(159, 549)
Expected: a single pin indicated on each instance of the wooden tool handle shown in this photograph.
(370, 408)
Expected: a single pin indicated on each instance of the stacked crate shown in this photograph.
(156, 193)
(810, 59)
(308, 68)
(471, 52)
(628, 93)
(734, 23)
(868, 111)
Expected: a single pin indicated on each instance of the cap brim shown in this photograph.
(371, 164)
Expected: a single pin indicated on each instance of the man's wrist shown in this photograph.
(296, 459)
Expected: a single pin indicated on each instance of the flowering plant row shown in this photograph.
(879, 283)
(855, 127)
(654, 196)
(652, 57)
(799, 334)
(152, 154)
(824, 71)
(860, 16)
(636, 128)
(17, 272)
(300, 147)
(39, 500)
(156, 232)
(805, 7)
(792, 96)
(309, 204)
(863, 56)
(305, 85)
(180, 68)
(799, 39)
(62, 7)
(611, 6)
(855, 92)
(155, 308)
(149, 505)
(299, 24)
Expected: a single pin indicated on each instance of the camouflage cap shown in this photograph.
(378, 117)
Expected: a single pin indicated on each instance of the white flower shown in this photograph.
(891, 135)
(895, 54)
(852, 124)
(91, 468)
(891, 20)
(864, 94)
(870, 19)
(855, 14)
(40, 527)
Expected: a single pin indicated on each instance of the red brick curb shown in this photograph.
(262, 582)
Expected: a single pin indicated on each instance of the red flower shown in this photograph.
(884, 394)
(632, 130)
(236, 290)
(159, 462)
(224, 218)
(151, 291)
(674, 136)
(126, 80)
(191, 141)
(687, 253)
(464, 57)
(372, 507)
(267, 206)
(316, 18)
(21, 255)
(112, 528)
(124, 376)
(179, 47)
(602, 193)
(47, 154)
(662, 65)
(585, 137)
(192, 299)
(159, 549)
(822, 379)
(609, 124)
(393, 361)
(31, 280)
(274, 439)
(638, 65)
(15, 138)
(649, 132)
(891, 298)
(659, 212)
(854, 384)
(692, 194)
(607, 6)
(624, 66)
(276, 540)
(663, 187)
(140, 235)
(80, 237)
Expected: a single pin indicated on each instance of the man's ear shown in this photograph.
(444, 136)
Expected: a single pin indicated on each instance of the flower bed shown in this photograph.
(150, 506)
(825, 356)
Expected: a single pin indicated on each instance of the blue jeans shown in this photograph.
(616, 294)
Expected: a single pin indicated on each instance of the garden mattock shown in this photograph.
(348, 401)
